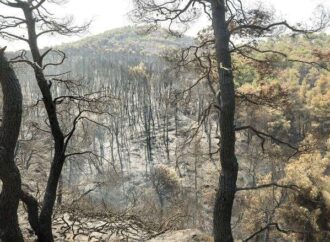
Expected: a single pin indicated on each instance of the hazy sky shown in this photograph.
(113, 13)
(109, 14)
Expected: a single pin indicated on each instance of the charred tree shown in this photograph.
(9, 173)
(229, 167)
(38, 21)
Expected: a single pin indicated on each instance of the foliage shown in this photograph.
(165, 180)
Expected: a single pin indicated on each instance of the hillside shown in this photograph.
(152, 163)
(133, 40)
(148, 127)
(142, 133)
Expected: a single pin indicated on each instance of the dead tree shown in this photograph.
(9, 173)
(38, 21)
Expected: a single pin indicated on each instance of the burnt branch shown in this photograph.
(154, 12)
(262, 136)
(282, 230)
(43, 20)
(273, 225)
(270, 185)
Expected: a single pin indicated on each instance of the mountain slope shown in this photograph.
(133, 40)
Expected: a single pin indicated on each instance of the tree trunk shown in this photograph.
(44, 232)
(229, 167)
(45, 218)
(60, 192)
(9, 173)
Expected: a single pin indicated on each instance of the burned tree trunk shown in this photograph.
(45, 218)
(38, 21)
(9, 173)
(229, 167)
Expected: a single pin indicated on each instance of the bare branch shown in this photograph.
(292, 187)
(260, 134)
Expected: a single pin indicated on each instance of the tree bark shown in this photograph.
(9, 173)
(229, 167)
(32, 209)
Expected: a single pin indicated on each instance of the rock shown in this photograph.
(188, 235)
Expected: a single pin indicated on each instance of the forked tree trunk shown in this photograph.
(229, 167)
(9, 173)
